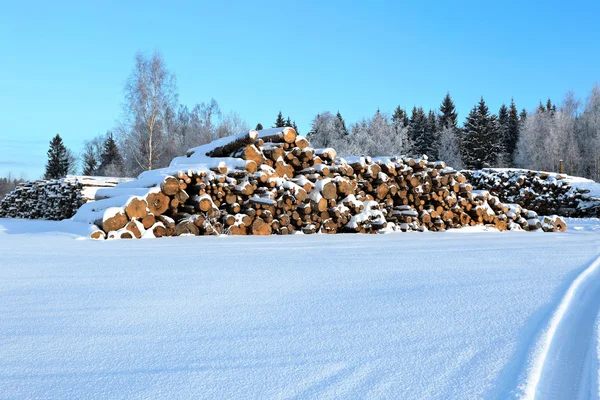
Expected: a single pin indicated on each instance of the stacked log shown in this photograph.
(543, 192)
(54, 199)
(273, 182)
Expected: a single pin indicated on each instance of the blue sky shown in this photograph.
(63, 64)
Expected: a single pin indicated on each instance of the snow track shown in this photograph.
(565, 365)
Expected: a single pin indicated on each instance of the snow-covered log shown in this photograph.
(54, 199)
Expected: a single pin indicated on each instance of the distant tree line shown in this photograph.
(508, 138)
(8, 183)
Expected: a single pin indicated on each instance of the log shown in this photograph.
(235, 143)
(260, 227)
(170, 186)
(136, 208)
(158, 203)
(285, 135)
(113, 220)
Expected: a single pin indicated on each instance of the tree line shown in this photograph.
(509, 138)
(154, 128)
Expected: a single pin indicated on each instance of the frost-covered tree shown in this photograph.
(326, 131)
(450, 147)
(589, 135)
(549, 135)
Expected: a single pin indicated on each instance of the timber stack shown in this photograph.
(273, 182)
(54, 199)
(543, 192)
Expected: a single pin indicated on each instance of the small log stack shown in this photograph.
(54, 199)
(274, 182)
(543, 192)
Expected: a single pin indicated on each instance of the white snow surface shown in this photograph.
(464, 314)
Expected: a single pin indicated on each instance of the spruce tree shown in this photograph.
(288, 122)
(111, 162)
(448, 116)
(523, 116)
(513, 131)
(433, 134)
(419, 134)
(279, 122)
(340, 124)
(90, 164)
(400, 116)
(58, 159)
(481, 144)
(259, 127)
(295, 127)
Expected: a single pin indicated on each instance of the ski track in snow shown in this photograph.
(565, 365)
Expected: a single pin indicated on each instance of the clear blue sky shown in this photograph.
(63, 64)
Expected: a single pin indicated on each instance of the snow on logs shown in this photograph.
(54, 199)
(273, 182)
(543, 192)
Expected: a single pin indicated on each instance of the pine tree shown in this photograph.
(295, 127)
(513, 132)
(288, 122)
(448, 116)
(111, 162)
(280, 122)
(480, 140)
(340, 124)
(419, 135)
(58, 164)
(259, 127)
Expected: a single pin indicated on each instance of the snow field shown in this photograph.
(455, 315)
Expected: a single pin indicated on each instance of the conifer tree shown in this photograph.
(480, 140)
(111, 162)
(523, 116)
(340, 124)
(295, 127)
(513, 132)
(433, 134)
(279, 122)
(59, 162)
(90, 164)
(259, 127)
(448, 116)
(419, 135)
(288, 122)
(400, 116)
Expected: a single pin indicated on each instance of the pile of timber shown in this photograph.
(54, 199)
(543, 192)
(273, 182)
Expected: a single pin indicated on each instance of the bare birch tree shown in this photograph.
(150, 93)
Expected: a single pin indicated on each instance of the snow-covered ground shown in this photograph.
(455, 315)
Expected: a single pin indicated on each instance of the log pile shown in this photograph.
(55, 199)
(543, 192)
(273, 182)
